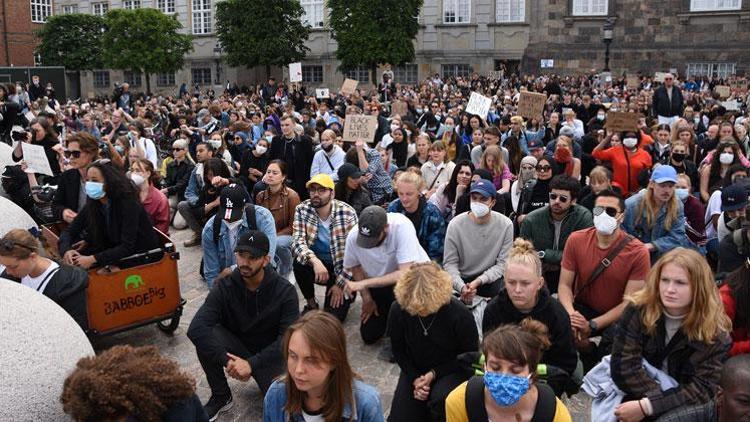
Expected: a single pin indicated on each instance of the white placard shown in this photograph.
(49, 110)
(29, 116)
(731, 105)
(479, 105)
(36, 159)
(295, 72)
(659, 76)
(322, 93)
(547, 63)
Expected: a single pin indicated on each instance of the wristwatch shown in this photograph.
(593, 325)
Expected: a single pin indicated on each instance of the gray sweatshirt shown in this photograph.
(472, 249)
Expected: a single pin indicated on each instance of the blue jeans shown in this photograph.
(284, 254)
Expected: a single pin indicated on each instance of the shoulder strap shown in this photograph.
(250, 215)
(435, 179)
(474, 400)
(606, 262)
(217, 228)
(329, 161)
(43, 285)
(546, 404)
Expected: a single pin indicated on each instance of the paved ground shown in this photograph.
(248, 401)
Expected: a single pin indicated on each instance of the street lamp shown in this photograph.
(217, 56)
(608, 34)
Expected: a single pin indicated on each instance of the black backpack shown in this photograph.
(249, 215)
(546, 404)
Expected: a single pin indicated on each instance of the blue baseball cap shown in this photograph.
(534, 144)
(484, 187)
(734, 197)
(663, 174)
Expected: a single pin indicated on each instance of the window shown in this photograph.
(99, 9)
(40, 10)
(719, 70)
(510, 11)
(165, 6)
(37, 59)
(101, 79)
(201, 17)
(201, 75)
(590, 7)
(70, 8)
(312, 74)
(456, 11)
(131, 4)
(359, 73)
(313, 13)
(132, 78)
(713, 5)
(165, 79)
(406, 74)
(456, 70)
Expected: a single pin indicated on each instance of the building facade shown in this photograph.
(19, 20)
(465, 36)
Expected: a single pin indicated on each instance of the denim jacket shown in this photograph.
(195, 184)
(367, 406)
(431, 230)
(216, 257)
(663, 240)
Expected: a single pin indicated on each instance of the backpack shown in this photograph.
(546, 404)
(249, 215)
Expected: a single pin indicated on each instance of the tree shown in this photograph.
(370, 32)
(72, 41)
(261, 32)
(144, 40)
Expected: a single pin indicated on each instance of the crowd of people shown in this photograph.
(509, 261)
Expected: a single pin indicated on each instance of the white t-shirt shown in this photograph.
(312, 418)
(713, 208)
(401, 246)
(40, 283)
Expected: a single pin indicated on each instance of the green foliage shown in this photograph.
(72, 41)
(144, 40)
(261, 32)
(370, 32)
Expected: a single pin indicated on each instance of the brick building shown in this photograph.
(19, 20)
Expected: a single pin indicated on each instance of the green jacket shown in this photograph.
(540, 230)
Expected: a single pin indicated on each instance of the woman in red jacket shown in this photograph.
(628, 160)
(735, 293)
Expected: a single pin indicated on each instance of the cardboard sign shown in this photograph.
(479, 105)
(531, 104)
(295, 72)
(36, 159)
(724, 91)
(322, 93)
(359, 127)
(621, 121)
(659, 76)
(399, 107)
(349, 86)
(733, 105)
(633, 81)
(495, 74)
(29, 116)
(738, 85)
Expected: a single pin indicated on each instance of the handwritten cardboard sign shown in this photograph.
(495, 74)
(531, 104)
(479, 105)
(621, 121)
(322, 93)
(724, 91)
(633, 81)
(295, 72)
(360, 126)
(349, 86)
(36, 159)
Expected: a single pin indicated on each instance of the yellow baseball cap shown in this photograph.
(321, 179)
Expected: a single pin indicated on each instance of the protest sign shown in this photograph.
(479, 105)
(531, 104)
(295, 72)
(733, 105)
(633, 81)
(29, 116)
(738, 85)
(495, 74)
(360, 126)
(659, 76)
(724, 91)
(36, 159)
(621, 121)
(349, 86)
(322, 93)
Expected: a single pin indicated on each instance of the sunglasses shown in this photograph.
(556, 197)
(177, 149)
(7, 245)
(543, 168)
(611, 211)
(74, 154)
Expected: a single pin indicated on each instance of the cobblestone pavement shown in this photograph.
(248, 402)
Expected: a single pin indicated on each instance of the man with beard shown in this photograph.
(240, 326)
(320, 227)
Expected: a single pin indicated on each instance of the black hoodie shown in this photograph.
(258, 318)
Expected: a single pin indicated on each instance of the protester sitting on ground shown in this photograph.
(735, 294)
(131, 383)
(438, 169)
(712, 174)
(138, 140)
(112, 225)
(600, 179)
(678, 325)
(81, 150)
(492, 160)
(422, 151)
(627, 160)
(146, 179)
(23, 258)
(377, 179)
(176, 181)
(351, 189)
(681, 161)
(329, 157)
(565, 162)
(509, 390)
(42, 133)
(539, 195)
(254, 163)
(429, 329)
(319, 382)
(525, 296)
(695, 226)
(447, 194)
(193, 210)
(524, 183)
(281, 200)
(713, 209)
(232, 335)
(463, 201)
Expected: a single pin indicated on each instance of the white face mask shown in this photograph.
(682, 194)
(260, 149)
(137, 179)
(605, 224)
(394, 127)
(479, 209)
(630, 142)
(215, 143)
(726, 158)
(601, 116)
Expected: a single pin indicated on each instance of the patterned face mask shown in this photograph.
(506, 389)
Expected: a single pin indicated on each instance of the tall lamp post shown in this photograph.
(608, 34)
(217, 56)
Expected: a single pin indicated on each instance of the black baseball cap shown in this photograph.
(254, 242)
(349, 170)
(232, 202)
(734, 197)
(372, 222)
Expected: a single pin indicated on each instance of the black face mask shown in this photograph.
(678, 158)
(328, 148)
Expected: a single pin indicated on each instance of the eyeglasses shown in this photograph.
(543, 168)
(177, 149)
(556, 197)
(74, 154)
(7, 245)
(317, 191)
(611, 211)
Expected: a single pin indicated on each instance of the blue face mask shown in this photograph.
(95, 190)
(269, 138)
(506, 389)
(682, 194)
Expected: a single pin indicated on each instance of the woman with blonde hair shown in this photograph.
(319, 383)
(438, 169)
(564, 159)
(429, 328)
(492, 160)
(678, 325)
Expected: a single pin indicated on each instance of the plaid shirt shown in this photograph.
(305, 231)
(380, 185)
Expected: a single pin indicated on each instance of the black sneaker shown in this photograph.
(386, 353)
(217, 405)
